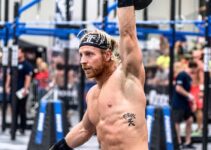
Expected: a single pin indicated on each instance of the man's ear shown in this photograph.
(108, 55)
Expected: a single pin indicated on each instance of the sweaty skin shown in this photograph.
(116, 104)
(118, 112)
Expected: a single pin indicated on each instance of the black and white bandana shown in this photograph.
(96, 40)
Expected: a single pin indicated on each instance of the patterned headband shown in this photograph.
(96, 40)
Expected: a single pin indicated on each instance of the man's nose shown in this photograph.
(83, 60)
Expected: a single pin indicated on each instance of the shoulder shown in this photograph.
(181, 74)
(27, 64)
(180, 77)
(91, 93)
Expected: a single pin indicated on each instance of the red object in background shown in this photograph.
(195, 91)
(42, 78)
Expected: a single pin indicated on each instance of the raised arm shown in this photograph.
(130, 52)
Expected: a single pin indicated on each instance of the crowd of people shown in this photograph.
(187, 100)
(34, 80)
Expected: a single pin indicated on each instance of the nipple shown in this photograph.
(109, 105)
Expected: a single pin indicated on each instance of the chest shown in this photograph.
(111, 102)
(116, 96)
(22, 69)
(187, 83)
(185, 80)
(103, 104)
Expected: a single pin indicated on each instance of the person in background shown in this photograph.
(42, 77)
(162, 71)
(178, 67)
(56, 71)
(181, 107)
(179, 50)
(198, 58)
(184, 60)
(163, 60)
(38, 62)
(25, 72)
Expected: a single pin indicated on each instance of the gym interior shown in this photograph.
(170, 33)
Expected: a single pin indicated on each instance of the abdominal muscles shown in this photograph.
(121, 130)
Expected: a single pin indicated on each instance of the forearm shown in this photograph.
(27, 82)
(127, 27)
(182, 91)
(77, 136)
(130, 52)
(8, 79)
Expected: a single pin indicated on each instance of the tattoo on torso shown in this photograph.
(130, 117)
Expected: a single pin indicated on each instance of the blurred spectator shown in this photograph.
(54, 70)
(59, 77)
(179, 50)
(184, 60)
(73, 78)
(38, 62)
(25, 71)
(161, 75)
(198, 58)
(195, 91)
(182, 110)
(163, 60)
(164, 45)
(178, 67)
(199, 84)
(160, 78)
(42, 77)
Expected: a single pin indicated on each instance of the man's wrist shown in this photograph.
(61, 145)
(190, 97)
(26, 88)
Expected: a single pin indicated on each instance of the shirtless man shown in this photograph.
(116, 104)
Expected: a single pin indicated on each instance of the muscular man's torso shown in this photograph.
(117, 110)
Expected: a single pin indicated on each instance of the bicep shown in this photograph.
(179, 88)
(28, 77)
(179, 83)
(87, 123)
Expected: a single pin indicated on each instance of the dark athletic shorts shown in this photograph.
(180, 115)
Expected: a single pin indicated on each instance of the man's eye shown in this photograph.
(89, 54)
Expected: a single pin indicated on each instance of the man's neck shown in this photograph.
(21, 59)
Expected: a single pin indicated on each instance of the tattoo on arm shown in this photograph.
(130, 117)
